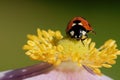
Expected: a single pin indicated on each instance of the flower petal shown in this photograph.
(56, 74)
(20, 74)
(42, 72)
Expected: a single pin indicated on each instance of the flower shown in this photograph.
(51, 47)
(72, 59)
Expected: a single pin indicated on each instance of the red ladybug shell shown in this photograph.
(85, 23)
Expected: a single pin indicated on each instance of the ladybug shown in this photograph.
(78, 28)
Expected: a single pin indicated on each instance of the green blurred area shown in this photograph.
(19, 18)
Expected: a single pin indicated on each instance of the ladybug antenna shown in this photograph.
(93, 32)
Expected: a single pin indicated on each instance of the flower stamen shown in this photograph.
(50, 46)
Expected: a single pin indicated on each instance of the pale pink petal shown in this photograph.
(59, 75)
(20, 74)
(44, 71)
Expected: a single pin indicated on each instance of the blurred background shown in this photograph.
(21, 17)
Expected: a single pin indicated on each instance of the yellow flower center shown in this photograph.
(50, 46)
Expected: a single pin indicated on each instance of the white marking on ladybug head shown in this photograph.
(80, 31)
(83, 32)
(73, 24)
(80, 24)
(72, 33)
(75, 36)
(79, 36)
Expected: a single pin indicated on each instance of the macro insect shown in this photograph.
(78, 28)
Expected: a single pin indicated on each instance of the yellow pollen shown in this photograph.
(50, 46)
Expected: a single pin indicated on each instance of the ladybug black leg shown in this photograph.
(84, 39)
(82, 42)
